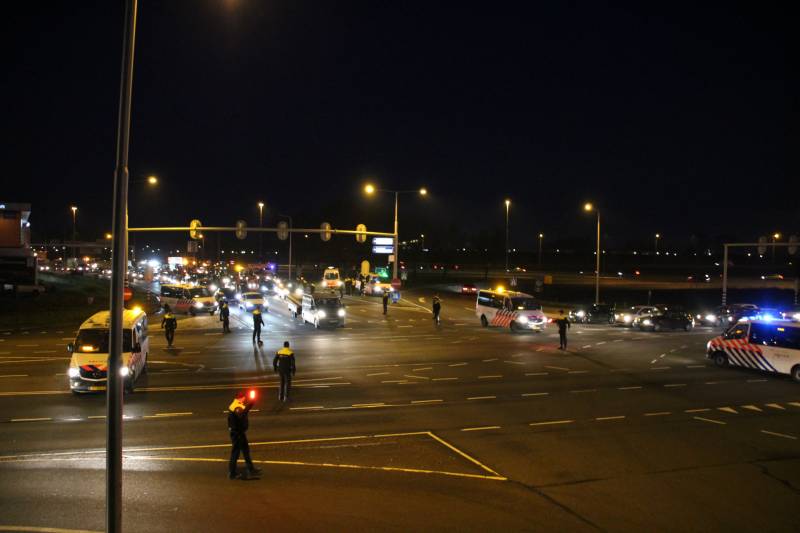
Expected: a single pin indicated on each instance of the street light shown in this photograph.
(658, 236)
(371, 189)
(508, 205)
(588, 207)
(775, 237)
(541, 236)
(261, 233)
(74, 229)
(290, 244)
(152, 180)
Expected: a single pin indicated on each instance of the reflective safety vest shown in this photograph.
(284, 352)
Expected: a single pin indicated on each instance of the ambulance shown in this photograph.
(89, 362)
(767, 345)
(331, 279)
(516, 311)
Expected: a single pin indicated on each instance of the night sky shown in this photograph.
(673, 118)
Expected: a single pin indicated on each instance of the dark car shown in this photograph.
(668, 320)
(593, 314)
(225, 293)
(469, 288)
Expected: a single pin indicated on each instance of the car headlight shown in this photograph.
(248, 304)
(213, 288)
(339, 283)
(730, 319)
(263, 288)
(627, 318)
(377, 290)
(710, 318)
(198, 305)
(124, 371)
(298, 291)
(340, 312)
(238, 296)
(581, 314)
(73, 372)
(647, 322)
(522, 320)
(321, 314)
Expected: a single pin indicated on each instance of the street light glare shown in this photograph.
(423, 191)
(152, 180)
(108, 236)
(369, 189)
(658, 235)
(508, 202)
(776, 236)
(588, 206)
(260, 205)
(73, 208)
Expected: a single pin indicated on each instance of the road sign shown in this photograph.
(762, 245)
(241, 230)
(793, 245)
(396, 284)
(383, 250)
(326, 232)
(362, 235)
(283, 230)
(195, 226)
(383, 241)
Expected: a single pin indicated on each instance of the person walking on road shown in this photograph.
(237, 427)
(257, 323)
(385, 299)
(169, 324)
(225, 317)
(284, 365)
(437, 308)
(563, 326)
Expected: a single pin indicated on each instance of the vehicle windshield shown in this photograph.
(737, 331)
(331, 275)
(525, 304)
(329, 302)
(199, 292)
(601, 308)
(252, 296)
(96, 341)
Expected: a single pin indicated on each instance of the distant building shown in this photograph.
(17, 259)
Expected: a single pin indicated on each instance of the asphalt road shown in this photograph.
(398, 424)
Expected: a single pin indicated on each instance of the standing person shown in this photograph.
(237, 427)
(563, 326)
(437, 308)
(257, 323)
(224, 317)
(385, 299)
(284, 365)
(169, 324)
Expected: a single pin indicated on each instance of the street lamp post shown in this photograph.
(151, 180)
(261, 234)
(508, 204)
(370, 189)
(658, 236)
(541, 236)
(74, 210)
(589, 207)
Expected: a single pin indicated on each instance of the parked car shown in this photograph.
(593, 314)
(671, 319)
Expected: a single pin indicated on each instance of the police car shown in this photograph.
(767, 345)
(516, 311)
(189, 299)
(88, 365)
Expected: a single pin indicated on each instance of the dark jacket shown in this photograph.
(257, 321)
(563, 324)
(169, 321)
(238, 424)
(284, 361)
(224, 311)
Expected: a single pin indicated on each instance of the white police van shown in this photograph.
(516, 311)
(767, 345)
(88, 365)
(189, 299)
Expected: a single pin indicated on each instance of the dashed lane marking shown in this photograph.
(30, 419)
(489, 360)
(14, 376)
(482, 428)
(710, 420)
(695, 366)
(660, 368)
(537, 373)
(307, 408)
(557, 368)
(586, 346)
(752, 408)
(526, 394)
(378, 374)
(444, 379)
(782, 435)
(605, 418)
(482, 398)
(775, 406)
(415, 377)
(459, 364)
(422, 369)
(426, 401)
(578, 372)
(491, 376)
(673, 385)
(551, 423)
(658, 413)
(632, 387)
(794, 404)
(701, 410)
(728, 410)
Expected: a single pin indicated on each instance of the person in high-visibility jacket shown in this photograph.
(284, 365)
(237, 427)
(169, 323)
(257, 323)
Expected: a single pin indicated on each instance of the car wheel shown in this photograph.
(191, 312)
(513, 327)
(211, 313)
(795, 373)
(656, 327)
(720, 359)
(484, 322)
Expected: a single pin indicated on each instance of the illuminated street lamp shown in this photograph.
(371, 189)
(658, 236)
(508, 205)
(152, 180)
(541, 237)
(775, 238)
(74, 229)
(261, 233)
(588, 207)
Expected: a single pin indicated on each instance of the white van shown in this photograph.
(188, 299)
(89, 362)
(323, 309)
(768, 345)
(331, 279)
(509, 309)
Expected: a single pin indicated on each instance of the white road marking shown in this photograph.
(422, 369)
(658, 413)
(482, 428)
(586, 346)
(728, 410)
(701, 410)
(783, 435)
(695, 366)
(14, 376)
(551, 423)
(752, 408)
(482, 398)
(675, 385)
(415, 377)
(775, 406)
(603, 418)
(444, 379)
(490, 376)
(525, 394)
(426, 401)
(632, 387)
(578, 372)
(30, 419)
(378, 374)
(309, 408)
(600, 343)
(710, 420)
(489, 360)
(537, 373)
(557, 368)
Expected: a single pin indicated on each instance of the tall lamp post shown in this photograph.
(74, 210)
(261, 233)
(541, 236)
(371, 189)
(508, 205)
(589, 207)
(152, 181)
(658, 236)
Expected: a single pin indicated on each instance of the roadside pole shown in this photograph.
(119, 254)
(725, 275)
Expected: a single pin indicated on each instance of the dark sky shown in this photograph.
(674, 118)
